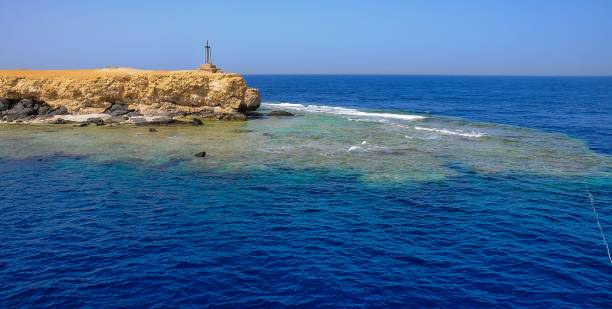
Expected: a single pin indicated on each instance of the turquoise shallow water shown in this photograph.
(343, 205)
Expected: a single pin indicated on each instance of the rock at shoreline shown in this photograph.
(252, 114)
(280, 114)
(231, 116)
(201, 154)
(125, 92)
(59, 111)
(156, 121)
(196, 122)
(23, 109)
(119, 119)
(252, 99)
(151, 130)
(96, 121)
(118, 109)
(134, 114)
(59, 121)
(20, 110)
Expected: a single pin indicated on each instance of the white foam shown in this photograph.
(340, 111)
(355, 148)
(472, 134)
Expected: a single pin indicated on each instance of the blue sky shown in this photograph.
(542, 37)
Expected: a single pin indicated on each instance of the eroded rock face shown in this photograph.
(4, 104)
(26, 109)
(252, 99)
(120, 91)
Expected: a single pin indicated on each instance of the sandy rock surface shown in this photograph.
(80, 92)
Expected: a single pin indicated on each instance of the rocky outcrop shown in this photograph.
(252, 99)
(27, 109)
(121, 92)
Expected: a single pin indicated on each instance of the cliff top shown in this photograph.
(94, 73)
(149, 93)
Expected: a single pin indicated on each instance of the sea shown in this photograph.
(380, 192)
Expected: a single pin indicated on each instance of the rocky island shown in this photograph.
(118, 95)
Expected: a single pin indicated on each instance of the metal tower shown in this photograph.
(208, 59)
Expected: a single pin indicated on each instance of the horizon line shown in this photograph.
(426, 74)
(343, 74)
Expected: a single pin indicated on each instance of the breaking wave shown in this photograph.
(340, 111)
(472, 134)
(373, 116)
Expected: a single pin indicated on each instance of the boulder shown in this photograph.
(201, 154)
(22, 109)
(26, 103)
(252, 114)
(96, 121)
(280, 114)
(252, 99)
(161, 120)
(117, 109)
(59, 111)
(134, 114)
(152, 130)
(43, 110)
(230, 116)
(196, 122)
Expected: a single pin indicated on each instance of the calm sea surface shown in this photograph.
(382, 191)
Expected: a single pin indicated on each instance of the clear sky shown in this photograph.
(530, 37)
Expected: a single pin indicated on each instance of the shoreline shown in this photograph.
(103, 119)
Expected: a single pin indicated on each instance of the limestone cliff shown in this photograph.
(222, 95)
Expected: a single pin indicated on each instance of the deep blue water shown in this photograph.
(81, 232)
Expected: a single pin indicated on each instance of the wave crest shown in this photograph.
(335, 110)
(472, 134)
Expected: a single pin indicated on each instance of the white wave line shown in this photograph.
(473, 134)
(603, 236)
(337, 110)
